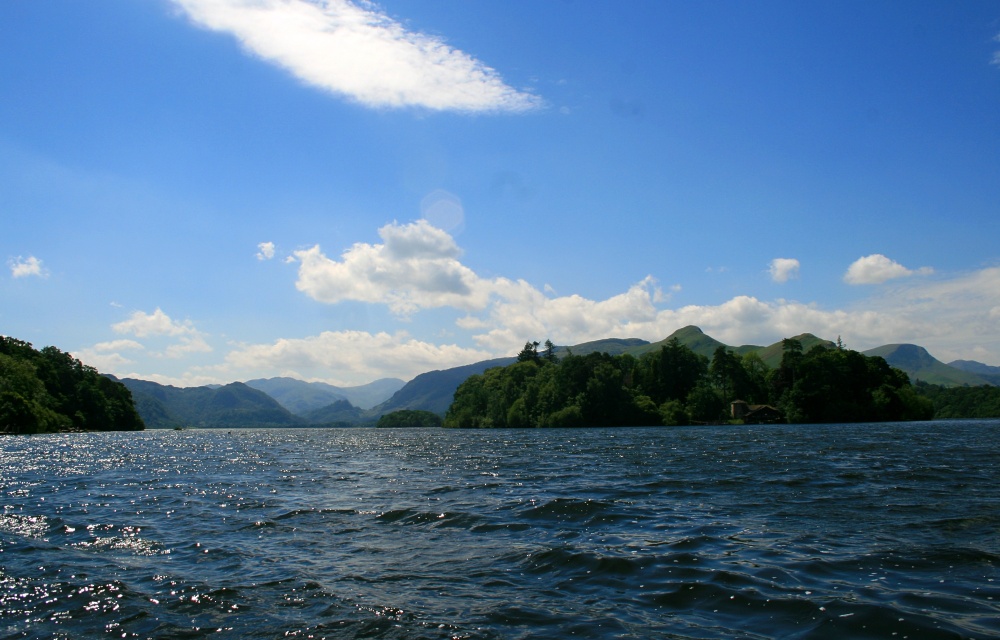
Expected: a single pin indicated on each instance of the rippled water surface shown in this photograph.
(860, 531)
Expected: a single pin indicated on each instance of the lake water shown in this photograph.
(842, 531)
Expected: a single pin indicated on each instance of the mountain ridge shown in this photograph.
(919, 364)
(301, 397)
(434, 390)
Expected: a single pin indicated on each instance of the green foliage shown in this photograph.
(550, 352)
(596, 389)
(676, 386)
(672, 372)
(691, 337)
(529, 353)
(773, 354)
(840, 385)
(961, 402)
(407, 418)
(49, 390)
(433, 391)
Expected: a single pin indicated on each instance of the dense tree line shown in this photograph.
(49, 390)
(408, 418)
(962, 402)
(676, 386)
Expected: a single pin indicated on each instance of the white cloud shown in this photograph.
(784, 269)
(188, 344)
(347, 357)
(159, 324)
(103, 362)
(416, 267)
(520, 312)
(265, 250)
(353, 49)
(116, 345)
(876, 269)
(21, 267)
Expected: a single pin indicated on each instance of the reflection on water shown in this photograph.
(887, 531)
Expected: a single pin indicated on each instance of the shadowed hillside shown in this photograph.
(921, 365)
(232, 405)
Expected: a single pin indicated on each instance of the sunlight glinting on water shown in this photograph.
(759, 532)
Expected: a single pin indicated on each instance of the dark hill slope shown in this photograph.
(228, 406)
(613, 346)
(772, 354)
(433, 391)
(691, 337)
(985, 371)
(298, 396)
(921, 365)
(337, 413)
(694, 339)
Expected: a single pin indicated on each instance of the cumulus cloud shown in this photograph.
(159, 324)
(418, 267)
(876, 269)
(116, 345)
(352, 49)
(265, 250)
(106, 356)
(104, 362)
(784, 269)
(954, 317)
(21, 267)
(415, 267)
(348, 357)
(520, 311)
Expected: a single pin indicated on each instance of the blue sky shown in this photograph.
(199, 191)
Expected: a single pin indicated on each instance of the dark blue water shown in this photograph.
(860, 531)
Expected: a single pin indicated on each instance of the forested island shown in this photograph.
(687, 378)
(676, 386)
(50, 391)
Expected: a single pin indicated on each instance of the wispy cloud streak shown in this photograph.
(354, 50)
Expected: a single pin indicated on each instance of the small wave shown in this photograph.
(490, 527)
(574, 510)
(308, 512)
(459, 520)
(28, 526)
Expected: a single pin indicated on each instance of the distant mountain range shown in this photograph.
(985, 371)
(920, 365)
(302, 397)
(287, 402)
(232, 405)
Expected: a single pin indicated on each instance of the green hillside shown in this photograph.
(613, 346)
(341, 411)
(920, 365)
(691, 337)
(228, 406)
(317, 403)
(48, 390)
(985, 371)
(771, 354)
